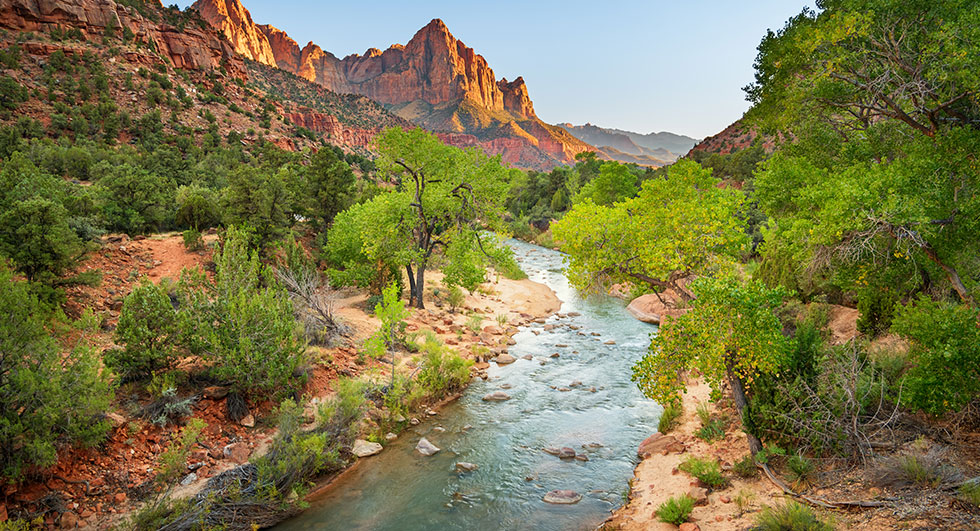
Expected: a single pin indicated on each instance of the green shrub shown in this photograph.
(148, 330)
(455, 297)
(676, 510)
(442, 372)
(474, 322)
(876, 306)
(392, 313)
(945, 355)
(705, 470)
(799, 467)
(193, 240)
(669, 417)
(711, 429)
(970, 493)
(50, 398)
(173, 461)
(745, 467)
(790, 517)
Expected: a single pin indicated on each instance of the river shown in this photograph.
(400, 489)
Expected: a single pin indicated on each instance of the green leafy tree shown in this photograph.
(445, 193)
(881, 98)
(47, 398)
(148, 329)
(262, 200)
(392, 313)
(945, 356)
(133, 200)
(614, 183)
(676, 227)
(36, 236)
(329, 187)
(731, 334)
(197, 207)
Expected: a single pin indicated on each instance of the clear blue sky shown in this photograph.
(643, 66)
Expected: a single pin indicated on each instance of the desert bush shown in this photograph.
(945, 356)
(50, 398)
(705, 470)
(799, 467)
(970, 492)
(669, 417)
(474, 322)
(192, 240)
(313, 299)
(197, 207)
(876, 305)
(442, 372)
(173, 461)
(711, 429)
(925, 469)
(676, 509)
(148, 330)
(455, 298)
(168, 408)
(745, 467)
(790, 517)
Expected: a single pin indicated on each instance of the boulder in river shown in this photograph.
(364, 448)
(552, 450)
(496, 396)
(566, 453)
(504, 359)
(426, 448)
(463, 466)
(564, 497)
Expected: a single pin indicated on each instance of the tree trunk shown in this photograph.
(411, 284)
(419, 286)
(738, 392)
(952, 275)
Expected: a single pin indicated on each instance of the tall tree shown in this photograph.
(678, 226)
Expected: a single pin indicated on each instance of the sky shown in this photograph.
(643, 66)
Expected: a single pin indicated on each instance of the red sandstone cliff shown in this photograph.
(194, 46)
(434, 81)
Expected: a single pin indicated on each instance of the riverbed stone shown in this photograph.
(426, 448)
(566, 453)
(505, 359)
(496, 396)
(527, 357)
(552, 450)
(658, 443)
(575, 383)
(364, 448)
(562, 497)
(463, 466)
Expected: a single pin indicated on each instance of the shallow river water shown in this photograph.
(400, 489)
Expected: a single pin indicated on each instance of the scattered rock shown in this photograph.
(689, 526)
(496, 396)
(505, 359)
(575, 383)
(566, 453)
(215, 392)
(424, 447)
(573, 314)
(561, 345)
(188, 479)
(120, 497)
(562, 497)
(527, 357)
(659, 443)
(414, 422)
(463, 466)
(724, 499)
(555, 355)
(248, 421)
(581, 457)
(592, 389)
(505, 386)
(391, 436)
(610, 342)
(493, 329)
(116, 419)
(438, 429)
(431, 413)
(237, 452)
(364, 448)
(564, 389)
(552, 450)
(69, 520)
(699, 494)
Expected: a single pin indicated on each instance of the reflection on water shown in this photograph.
(400, 489)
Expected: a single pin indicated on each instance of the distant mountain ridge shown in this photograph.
(651, 149)
(434, 81)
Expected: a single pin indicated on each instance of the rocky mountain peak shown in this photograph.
(232, 19)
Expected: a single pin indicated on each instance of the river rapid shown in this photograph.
(402, 490)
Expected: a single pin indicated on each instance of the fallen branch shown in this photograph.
(819, 502)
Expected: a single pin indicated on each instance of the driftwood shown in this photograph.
(813, 500)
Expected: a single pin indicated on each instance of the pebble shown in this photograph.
(496, 396)
(463, 466)
(564, 497)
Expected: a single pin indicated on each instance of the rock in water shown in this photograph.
(566, 453)
(504, 359)
(562, 497)
(364, 448)
(496, 396)
(463, 466)
(426, 448)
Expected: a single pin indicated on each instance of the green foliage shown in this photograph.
(442, 372)
(51, 398)
(329, 186)
(676, 227)
(705, 470)
(614, 183)
(474, 322)
(745, 467)
(134, 200)
(197, 207)
(676, 510)
(711, 429)
(876, 307)
(253, 342)
(392, 313)
(261, 200)
(36, 236)
(731, 330)
(455, 297)
(173, 461)
(193, 240)
(148, 330)
(669, 417)
(366, 245)
(799, 467)
(945, 355)
(790, 517)
(970, 493)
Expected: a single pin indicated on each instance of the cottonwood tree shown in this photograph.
(731, 334)
(678, 226)
(442, 198)
(883, 100)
